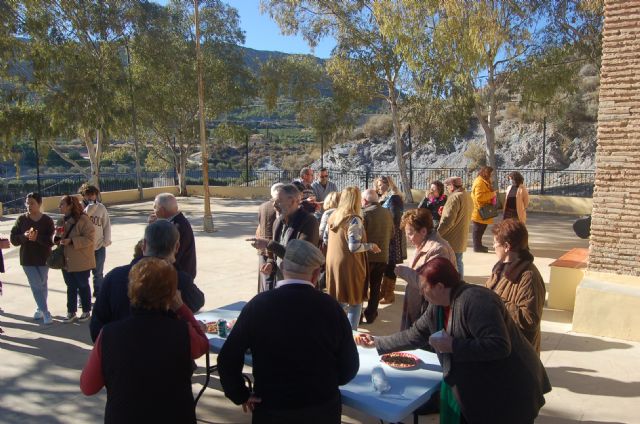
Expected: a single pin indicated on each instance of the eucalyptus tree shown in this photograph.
(365, 59)
(164, 68)
(320, 103)
(477, 45)
(75, 52)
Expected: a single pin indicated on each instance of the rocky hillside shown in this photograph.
(519, 145)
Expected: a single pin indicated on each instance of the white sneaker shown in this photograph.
(46, 318)
(71, 317)
(38, 314)
(84, 316)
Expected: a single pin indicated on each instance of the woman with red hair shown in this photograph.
(491, 374)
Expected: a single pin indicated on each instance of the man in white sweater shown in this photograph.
(100, 218)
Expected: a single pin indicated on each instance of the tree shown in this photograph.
(365, 59)
(304, 80)
(164, 68)
(474, 45)
(75, 51)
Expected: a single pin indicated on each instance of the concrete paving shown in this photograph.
(596, 380)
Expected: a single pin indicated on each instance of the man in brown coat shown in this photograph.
(266, 218)
(378, 224)
(455, 219)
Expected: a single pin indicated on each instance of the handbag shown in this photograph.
(56, 258)
(4, 243)
(488, 211)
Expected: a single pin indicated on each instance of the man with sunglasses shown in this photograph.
(322, 186)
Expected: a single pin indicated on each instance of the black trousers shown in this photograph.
(376, 271)
(477, 233)
(329, 412)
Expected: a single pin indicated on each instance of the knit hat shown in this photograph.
(302, 257)
(455, 181)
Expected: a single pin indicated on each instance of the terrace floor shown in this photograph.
(595, 380)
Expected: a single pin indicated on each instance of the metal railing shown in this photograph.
(562, 183)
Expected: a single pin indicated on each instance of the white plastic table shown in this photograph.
(410, 389)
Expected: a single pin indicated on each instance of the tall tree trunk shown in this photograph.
(181, 168)
(95, 154)
(397, 134)
(489, 124)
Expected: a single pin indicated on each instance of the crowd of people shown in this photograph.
(328, 258)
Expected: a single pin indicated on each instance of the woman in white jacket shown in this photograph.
(517, 199)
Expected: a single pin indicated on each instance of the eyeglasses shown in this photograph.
(324, 176)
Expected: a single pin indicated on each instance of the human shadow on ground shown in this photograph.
(577, 343)
(547, 419)
(578, 380)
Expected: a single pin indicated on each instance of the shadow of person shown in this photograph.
(578, 380)
(576, 343)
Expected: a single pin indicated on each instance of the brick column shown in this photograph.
(615, 228)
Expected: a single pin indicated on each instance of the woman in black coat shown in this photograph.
(489, 369)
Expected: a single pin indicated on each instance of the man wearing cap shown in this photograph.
(266, 218)
(456, 218)
(301, 344)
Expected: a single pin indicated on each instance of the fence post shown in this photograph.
(366, 179)
(544, 149)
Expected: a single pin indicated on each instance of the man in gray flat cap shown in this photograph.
(456, 218)
(291, 330)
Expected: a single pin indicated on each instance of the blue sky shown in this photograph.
(262, 33)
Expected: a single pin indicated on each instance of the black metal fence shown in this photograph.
(551, 182)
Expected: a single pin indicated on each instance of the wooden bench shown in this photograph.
(566, 273)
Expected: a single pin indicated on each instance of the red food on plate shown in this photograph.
(212, 327)
(400, 360)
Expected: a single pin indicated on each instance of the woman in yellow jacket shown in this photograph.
(482, 195)
(516, 199)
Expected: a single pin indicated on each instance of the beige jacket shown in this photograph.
(522, 202)
(455, 220)
(79, 255)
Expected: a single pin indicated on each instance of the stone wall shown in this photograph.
(615, 229)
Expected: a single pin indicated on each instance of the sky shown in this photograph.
(262, 33)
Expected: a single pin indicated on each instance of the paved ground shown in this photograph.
(596, 380)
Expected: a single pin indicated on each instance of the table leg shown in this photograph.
(209, 369)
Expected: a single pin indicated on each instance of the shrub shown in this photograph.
(379, 126)
(476, 155)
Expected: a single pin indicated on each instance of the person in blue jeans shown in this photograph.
(33, 232)
(77, 235)
(99, 216)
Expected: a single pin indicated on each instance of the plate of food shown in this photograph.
(212, 327)
(400, 360)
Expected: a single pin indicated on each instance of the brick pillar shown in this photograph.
(615, 229)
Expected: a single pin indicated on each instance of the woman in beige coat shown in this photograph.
(516, 200)
(346, 267)
(77, 234)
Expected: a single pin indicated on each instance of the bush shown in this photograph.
(476, 155)
(378, 126)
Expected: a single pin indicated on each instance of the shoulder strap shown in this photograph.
(70, 229)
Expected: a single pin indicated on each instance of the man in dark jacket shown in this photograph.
(378, 223)
(293, 223)
(165, 206)
(112, 304)
(266, 218)
(301, 344)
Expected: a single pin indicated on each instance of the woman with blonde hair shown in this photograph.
(482, 194)
(330, 204)
(77, 234)
(346, 265)
(391, 198)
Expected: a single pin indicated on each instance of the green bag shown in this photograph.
(449, 408)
